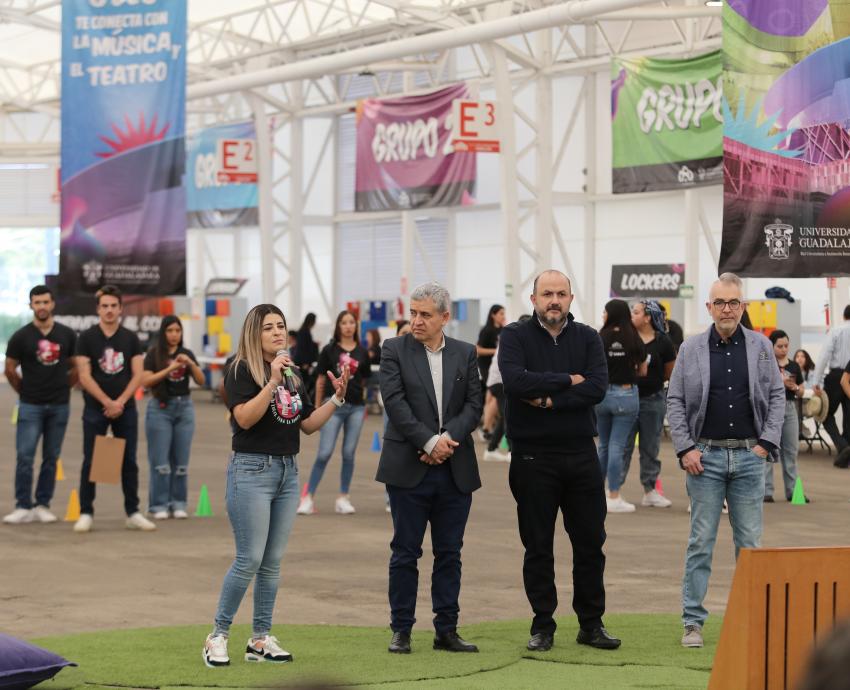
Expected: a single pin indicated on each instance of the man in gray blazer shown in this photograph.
(725, 405)
(432, 395)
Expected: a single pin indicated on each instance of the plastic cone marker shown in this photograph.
(376, 443)
(14, 419)
(73, 512)
(659, 487)
(798, 498)
(60, 471)
(503, 444)
(204, 507)
(140, 393)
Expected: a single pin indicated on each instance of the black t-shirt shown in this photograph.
(45, 361)
(661, 351)
(331, 358)
(278, 431)
(110, 360)
(177, 381)
(676, 334)
(792, 369)
(488, 337)
(622, 363)
(847, 368)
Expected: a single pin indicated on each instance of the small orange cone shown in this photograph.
(659, 487)
(140, 393)
(73, 512)
(60, 471)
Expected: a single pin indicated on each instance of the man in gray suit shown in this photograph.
(432, 396)
(725, 405)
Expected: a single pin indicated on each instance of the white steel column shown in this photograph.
(408, 227)
(588, 299)
(296, 204)
(692, 271)
(265, 180)
(543, 225)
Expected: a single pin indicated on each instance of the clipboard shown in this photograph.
(107, 459)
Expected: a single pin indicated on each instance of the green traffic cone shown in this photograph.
(204, 507)
(798, 498)
(503, 444)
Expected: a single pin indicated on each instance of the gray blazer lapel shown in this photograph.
(449, 372)
(704, 361)
(420, 362)
(753, 352)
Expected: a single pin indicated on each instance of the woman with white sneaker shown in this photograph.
(343, 350)
(169, 419)
(269, 410)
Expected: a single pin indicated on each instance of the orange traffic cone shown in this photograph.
(60, 471)
(73, 512)
(140, 393)
(659, 487)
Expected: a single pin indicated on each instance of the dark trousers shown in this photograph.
(437, 500)
(832, 387)
(571, 480)
(498, 391)
(127, 427)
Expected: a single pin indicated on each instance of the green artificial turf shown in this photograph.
(650, 657)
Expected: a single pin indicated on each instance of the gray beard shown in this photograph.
(551, 321)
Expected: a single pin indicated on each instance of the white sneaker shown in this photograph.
(266, 649)
(180, 515)
(388, 509)
(140, 522)
(19, 516)
(83, 524)
(215, 651)
(43, 515)
(343, 506)
(160, 515)
(653, 499)
(619, 505)
(305, 507)
(496, 456)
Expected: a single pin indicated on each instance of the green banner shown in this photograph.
(667, 123)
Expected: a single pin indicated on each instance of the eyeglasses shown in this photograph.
(721, 304)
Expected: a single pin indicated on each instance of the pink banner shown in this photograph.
(405, 157)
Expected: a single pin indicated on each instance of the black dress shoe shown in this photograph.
(540, 642)
(843, 459)
(769, 499)
(452, 642)
(598, 637)
(400, 644)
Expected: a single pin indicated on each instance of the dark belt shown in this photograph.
(729, 443)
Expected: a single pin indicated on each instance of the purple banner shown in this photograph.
(405, 157)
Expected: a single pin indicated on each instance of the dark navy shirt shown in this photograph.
(729, 413)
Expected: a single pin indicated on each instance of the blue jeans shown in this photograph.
(737, 476)
(262, 497)
(169, 430)
(649, 423)
(788, 449)
(615, 416)
(350, 418)
(34, 421)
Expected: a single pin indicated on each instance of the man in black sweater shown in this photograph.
(554, 372)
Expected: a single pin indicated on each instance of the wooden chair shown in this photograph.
(782, 601)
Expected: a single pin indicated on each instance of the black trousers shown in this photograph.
(832, 387)
(570, 480)
(437, 500)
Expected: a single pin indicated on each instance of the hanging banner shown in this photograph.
(786, 181)
(647, 280)
(213, 200)
(405, 156)
(667, 123)
(123, 149)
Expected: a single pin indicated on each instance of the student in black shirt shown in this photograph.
(648, 319)
(43, 349)
(343, 350)
(616, 414)
(109, 362)
(485, 348)
(269, 410)
(792, 379)
(169, 419)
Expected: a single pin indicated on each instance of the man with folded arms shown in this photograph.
(725, 406)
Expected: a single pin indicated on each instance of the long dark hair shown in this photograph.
(618, 317)
(338, 331)
(810, 363)
(491, 315)
(160, 353)
(308, 322)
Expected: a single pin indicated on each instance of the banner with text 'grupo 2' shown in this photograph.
(123, 214)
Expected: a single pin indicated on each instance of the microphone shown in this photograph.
(287, 372)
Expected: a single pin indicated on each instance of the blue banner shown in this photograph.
(123, 146)
(212, 203)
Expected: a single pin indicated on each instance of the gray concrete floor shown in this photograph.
(53, 581)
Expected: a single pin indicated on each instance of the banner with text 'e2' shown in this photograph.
(786, 145)
(123, 216)
(666, 123)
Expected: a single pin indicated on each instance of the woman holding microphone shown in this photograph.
(269, 409)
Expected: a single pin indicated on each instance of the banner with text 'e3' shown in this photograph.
(123, 216)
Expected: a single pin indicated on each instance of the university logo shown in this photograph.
(686, 175)
(778, 239)
(92, 271)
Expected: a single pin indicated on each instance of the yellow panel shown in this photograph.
(215, 325)
(224, 342)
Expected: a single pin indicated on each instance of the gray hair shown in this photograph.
(433, 291)
(731, 279)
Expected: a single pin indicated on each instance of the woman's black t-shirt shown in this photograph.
(488, 337)
(332, 358)
(622, 363)
(792, 370)
(177, 380)
(661, 352)
(277, 432)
